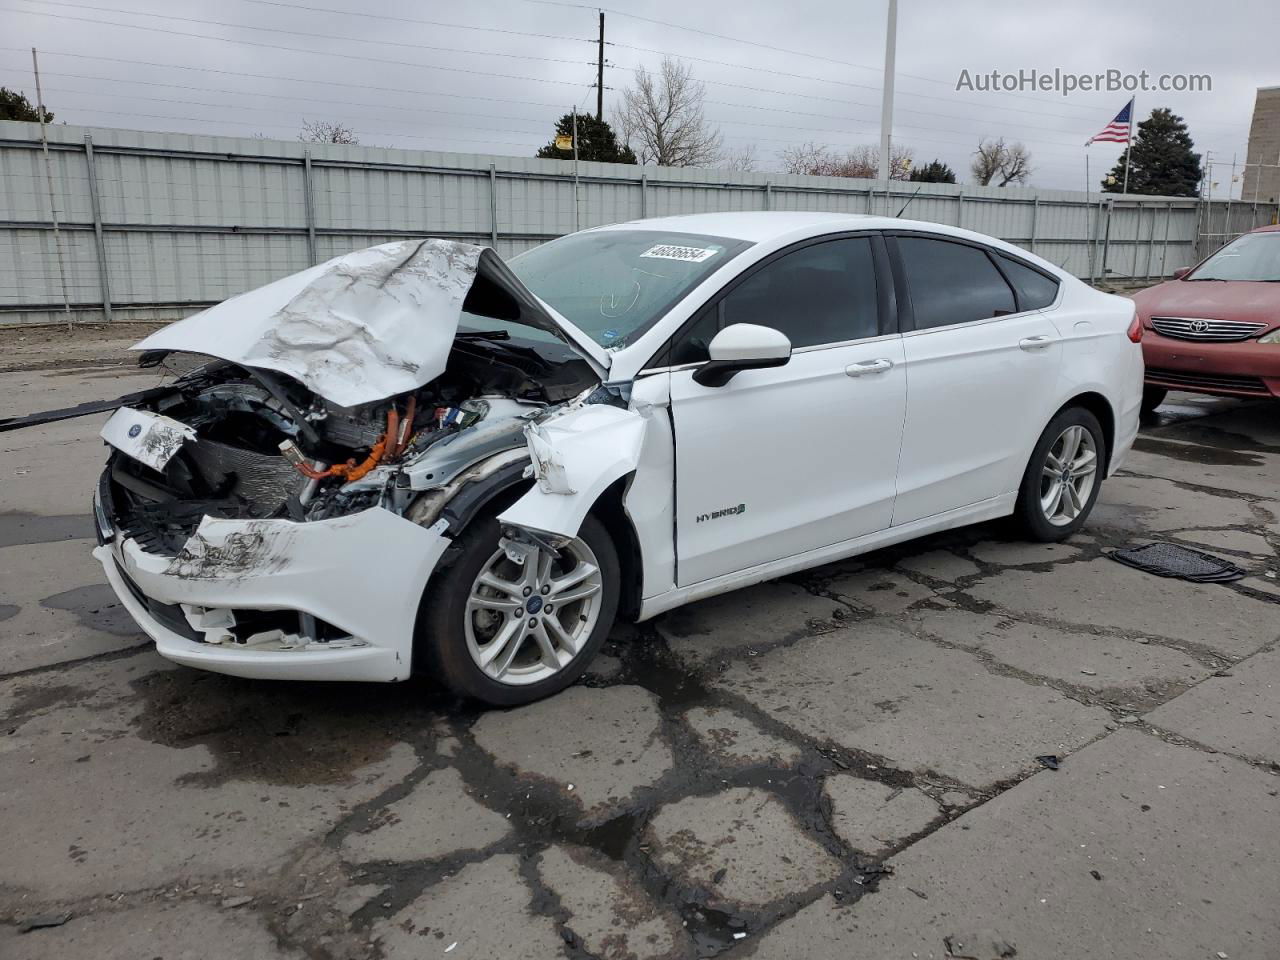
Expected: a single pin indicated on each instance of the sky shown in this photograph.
(491, 76)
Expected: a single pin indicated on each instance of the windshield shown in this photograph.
(1255, 256)
(613, 285)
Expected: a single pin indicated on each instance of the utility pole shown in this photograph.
(886, 108)
(600, 73)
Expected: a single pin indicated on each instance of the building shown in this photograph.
(1262, 172)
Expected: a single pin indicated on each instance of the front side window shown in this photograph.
(822, 293)
(613, 285)
(1255, 256)
(952, 283)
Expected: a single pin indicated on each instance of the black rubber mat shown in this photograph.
(1171, 560)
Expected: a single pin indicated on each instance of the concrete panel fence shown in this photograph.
(157, 225)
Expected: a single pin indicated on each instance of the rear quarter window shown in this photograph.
(1035, 290)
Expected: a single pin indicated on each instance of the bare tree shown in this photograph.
(1002, 164)
(326, 131)
(661, 118)
(818, 160)
(742, 159)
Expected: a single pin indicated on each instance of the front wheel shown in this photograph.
(1064, 475)
(508, 633)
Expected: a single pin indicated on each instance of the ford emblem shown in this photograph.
(135, 430)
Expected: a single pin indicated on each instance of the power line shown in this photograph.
(276, 46)
(295, 33)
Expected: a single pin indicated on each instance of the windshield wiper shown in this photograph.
(1204, 279)
(483, 335)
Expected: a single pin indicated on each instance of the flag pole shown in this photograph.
(1087, 179)
(1128, 147)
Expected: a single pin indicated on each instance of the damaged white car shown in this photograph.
(419, 457)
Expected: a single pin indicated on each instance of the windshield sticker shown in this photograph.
(669, 251)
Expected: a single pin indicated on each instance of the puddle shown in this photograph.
(20, 529)
(1209, 456)
(8, 610)
(286, 733)
(97, 608)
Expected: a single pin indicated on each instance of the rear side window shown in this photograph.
(1034, 289)
(952, 283)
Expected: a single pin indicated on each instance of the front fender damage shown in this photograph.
(576, 456)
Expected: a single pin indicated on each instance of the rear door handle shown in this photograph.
(1035, 343)
(868, 366)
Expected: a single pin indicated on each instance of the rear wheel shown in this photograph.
(508, 633)
(1152, 397)
(1062, 480)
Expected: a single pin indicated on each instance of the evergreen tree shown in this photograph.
(935, 171)
(596, 141)
(1162, 160)
(14, 105)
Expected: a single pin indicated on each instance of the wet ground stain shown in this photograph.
(97, 608)
(1209, 456)
(286, 733)
(30, 700)
(8, 610)
(19, 529)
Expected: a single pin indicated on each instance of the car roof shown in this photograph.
(757, 226)
(1269, 228)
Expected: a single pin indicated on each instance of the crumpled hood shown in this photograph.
(366, 325)
(1245, 300)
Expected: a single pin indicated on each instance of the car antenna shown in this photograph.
(908, 203)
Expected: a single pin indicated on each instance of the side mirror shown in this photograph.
(1181, 272)
(742, 346)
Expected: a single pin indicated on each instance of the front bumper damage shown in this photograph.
(319, 575)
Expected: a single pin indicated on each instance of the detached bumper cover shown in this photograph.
(362, 573)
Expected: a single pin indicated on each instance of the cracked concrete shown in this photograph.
(840, 764)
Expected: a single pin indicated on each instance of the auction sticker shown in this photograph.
(669, 251)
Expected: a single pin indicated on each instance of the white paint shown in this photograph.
(749, 341)
(810, 452)
(150, 438)
(302, 566)
(362, 327)
(578, 454)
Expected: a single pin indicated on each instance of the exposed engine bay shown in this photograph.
(260, 445)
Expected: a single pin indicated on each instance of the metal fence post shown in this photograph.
(104, 279)
(309, 203)
(644, 195)
(493, 204)
(1035, 216)
(1151, 245)
(768, 195)
(960, 209)
(1106, 242)
(1164, 250)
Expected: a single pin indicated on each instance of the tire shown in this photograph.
(1152, 397)
(1037, 513)
(460, 619)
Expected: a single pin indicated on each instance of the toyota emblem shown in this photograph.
(1199, 326)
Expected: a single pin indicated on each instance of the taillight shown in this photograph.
(1135, 329)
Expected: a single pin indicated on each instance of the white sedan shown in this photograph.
(418, 456)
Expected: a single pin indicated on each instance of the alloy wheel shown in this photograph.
(525, 622)
(1068, 476)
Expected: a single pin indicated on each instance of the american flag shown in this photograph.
(1117, 131)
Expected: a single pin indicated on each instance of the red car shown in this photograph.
(1215, 327)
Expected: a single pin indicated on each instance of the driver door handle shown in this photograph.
(1035, 343)
(868, 366)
